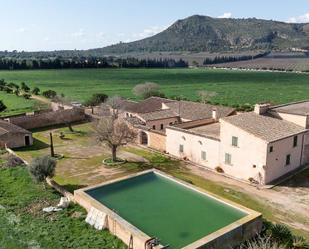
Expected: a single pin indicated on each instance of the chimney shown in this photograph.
(261, 108)
(214, 114)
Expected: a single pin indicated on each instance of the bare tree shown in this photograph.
(114, 103)
(147, 90)
(114, 132)
(205, 96)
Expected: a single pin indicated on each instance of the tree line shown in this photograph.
(7, 63)
(224, 59)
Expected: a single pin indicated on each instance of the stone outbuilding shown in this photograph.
(13, 136)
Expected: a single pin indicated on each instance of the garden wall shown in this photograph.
(46, 119)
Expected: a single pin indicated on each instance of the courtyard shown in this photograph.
(81, 165)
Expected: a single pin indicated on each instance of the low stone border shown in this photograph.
(105, 161)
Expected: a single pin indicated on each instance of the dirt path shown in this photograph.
(41, 99)
(294, 202)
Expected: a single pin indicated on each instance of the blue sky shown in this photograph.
(80, 24)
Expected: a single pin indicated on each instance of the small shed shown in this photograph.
(14, 136)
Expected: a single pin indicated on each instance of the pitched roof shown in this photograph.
(6, 127)
(161, 114)
(195, 111)
(148, 105)
(209, 130)
(298, 108)
(265, 127)
(126, 104)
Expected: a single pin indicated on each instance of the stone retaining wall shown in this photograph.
(46, 119)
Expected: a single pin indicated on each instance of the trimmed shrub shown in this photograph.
(219, 169)
(50, 94)
(42, 167)
(14, 161)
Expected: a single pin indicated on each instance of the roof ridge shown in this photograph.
(290, 103)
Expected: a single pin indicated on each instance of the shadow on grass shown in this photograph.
(59, 126)
(37, 145)
(77, 158)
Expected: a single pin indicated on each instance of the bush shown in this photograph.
(96, 99)
(2, 106)
(14, 161)
(36, 91)
(26, 96)
(252, 180)
(42, 167)
(261, 243)
(299, 243)
(147, 90)
(50, 94)
(219, 169)
(281, 234)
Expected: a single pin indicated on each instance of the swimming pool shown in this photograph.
(153, 204)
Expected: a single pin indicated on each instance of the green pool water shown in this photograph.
(165, 209)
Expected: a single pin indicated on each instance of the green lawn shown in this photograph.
(233, 87)
(17, 105)
(24, 225)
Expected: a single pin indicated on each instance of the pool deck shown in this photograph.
(230, 235)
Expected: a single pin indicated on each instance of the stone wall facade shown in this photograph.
(157, 141)
(46, 119)
(16, 140)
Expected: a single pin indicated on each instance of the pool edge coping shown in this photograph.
(252, 215)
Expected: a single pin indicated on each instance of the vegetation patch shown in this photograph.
(232, 87)
(24, 225)
(111, 162)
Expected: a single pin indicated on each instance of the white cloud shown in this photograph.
(299, 19)
(79, 33)
(149, 32)
(21, 30)
(100, 35)
(226, 15)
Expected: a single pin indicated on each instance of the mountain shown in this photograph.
(202, 33)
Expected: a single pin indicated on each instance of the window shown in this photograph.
(161, 127)
(203, 155)
(127, 114)
(154, 127)
(295, 141)
(288, 160)
(271, 149)
(228, 158)
(181, 148)
(234, 141)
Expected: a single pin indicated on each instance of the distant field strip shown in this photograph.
(232, 87)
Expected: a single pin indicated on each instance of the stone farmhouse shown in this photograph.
(14, 130)
(14, 136)
(259, 146)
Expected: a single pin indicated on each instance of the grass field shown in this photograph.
(23, 224)
(233, 87)
(16, 105)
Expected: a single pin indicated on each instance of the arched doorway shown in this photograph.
(144, 138)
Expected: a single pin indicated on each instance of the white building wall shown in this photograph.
(247, 159)
(193, 146)
(276, 160)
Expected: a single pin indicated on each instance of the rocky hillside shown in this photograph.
(203, 33)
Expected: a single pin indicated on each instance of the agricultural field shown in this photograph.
(267, 63)
(232, 87)
(16, 105)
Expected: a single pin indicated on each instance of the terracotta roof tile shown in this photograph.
(265, 127)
